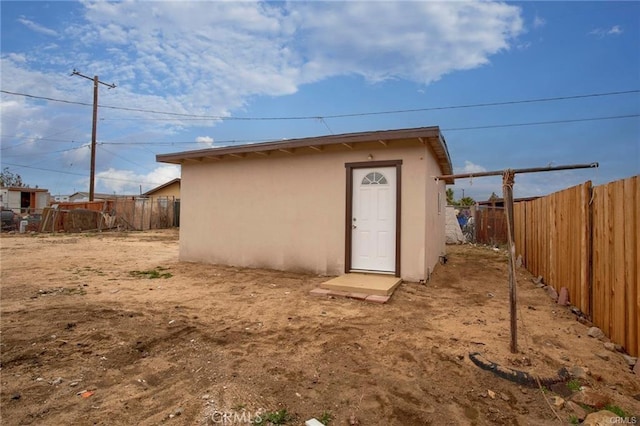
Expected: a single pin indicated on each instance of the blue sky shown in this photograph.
(215, 62)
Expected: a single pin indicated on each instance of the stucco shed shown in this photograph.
(327, 205)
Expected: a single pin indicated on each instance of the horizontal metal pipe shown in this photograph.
(529, 170)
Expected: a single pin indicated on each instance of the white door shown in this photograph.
(373, 221)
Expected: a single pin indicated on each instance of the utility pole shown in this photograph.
(94, 129)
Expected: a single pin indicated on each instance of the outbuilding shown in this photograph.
(357, 202)
(24, 200)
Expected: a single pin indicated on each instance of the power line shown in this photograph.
(123, 158)
(80, 174)
(34, 139)
(231, 141)
(451, 129)
(37, 140)
(538, 123)
(481, 105)
(326, 125)
(317, 117)
(30, 154)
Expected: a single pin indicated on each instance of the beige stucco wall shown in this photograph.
(435, 217)
(287, 211)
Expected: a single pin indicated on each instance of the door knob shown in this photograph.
(354, 226)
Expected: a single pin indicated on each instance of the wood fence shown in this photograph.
(490, 225)
(586, 239)
(616, 255)
(122, 213)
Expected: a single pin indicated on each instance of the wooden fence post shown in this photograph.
(507, 191)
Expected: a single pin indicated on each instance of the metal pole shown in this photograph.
(529, 170)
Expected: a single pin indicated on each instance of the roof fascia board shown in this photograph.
(317, 142)
(428, 136)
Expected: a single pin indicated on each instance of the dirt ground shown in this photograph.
(88, 338)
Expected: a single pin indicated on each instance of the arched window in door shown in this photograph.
(374, 178)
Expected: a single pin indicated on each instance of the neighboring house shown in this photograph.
(499, 202)
(327, 205)
(23, 200)
(167, 196)
(83, 197)
(169, 190)
(60, 199)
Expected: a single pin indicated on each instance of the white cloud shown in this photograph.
(205, 140)
(128, 182)
(479, 189)
(210, 58)
(539, 22)
(470, 167)
(113, 33)
(228, 51)
(616, 29)
(419, 41)
(77, 156)
(162, 174)
(597, 32)
(21, 119)
(603, 32)
(18, 58)
(33, 26)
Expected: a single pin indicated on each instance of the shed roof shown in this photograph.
(24, 189)
(100, 196)
(427, 136)
(164, 185)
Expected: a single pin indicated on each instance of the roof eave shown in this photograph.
(429, 136)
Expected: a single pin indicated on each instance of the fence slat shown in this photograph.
(618, 310)
(607, 266)
(585, 247)
(552, 229)
(519, 212)
(596, 244)
(630, 264)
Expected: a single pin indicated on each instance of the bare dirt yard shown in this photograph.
(111, 329)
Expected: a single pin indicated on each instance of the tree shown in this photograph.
(466, 201)
(462, 202)
(450, 200)
(8, 178)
